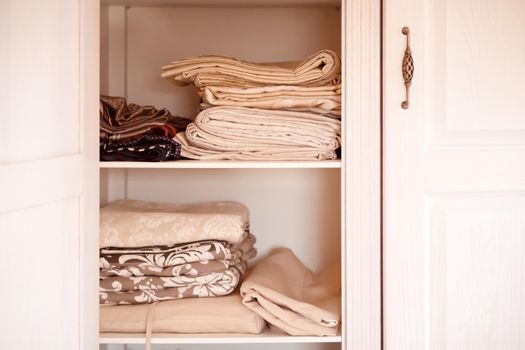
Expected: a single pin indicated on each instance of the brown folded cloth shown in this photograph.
(188, 259)
(129, 283)
(322, 68)
(143, 290)
(214, 315)
(289, 297)
(255, 134)
(122, 121)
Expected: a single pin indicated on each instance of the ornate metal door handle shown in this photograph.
(407, 68)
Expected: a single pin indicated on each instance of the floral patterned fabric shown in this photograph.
(152, 289)
(155, 273)
(128, 223)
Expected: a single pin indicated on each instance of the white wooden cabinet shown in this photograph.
(48, 174)
(302, 205)
(425, 211)
(454, 176)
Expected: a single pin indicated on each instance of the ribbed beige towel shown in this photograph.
(256, 134)
(288, 296)
(136, 223)
(322, 68)
(212, 315)
(280, 97)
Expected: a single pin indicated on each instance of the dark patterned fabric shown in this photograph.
(122, 121)
(156, 273)
(146, 148)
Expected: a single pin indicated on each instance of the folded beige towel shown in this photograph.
(319, 69)
(288, 296)
(214, 315)
(280, 97)
(257, 134)
(136, 223)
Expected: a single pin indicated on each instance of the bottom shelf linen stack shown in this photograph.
(180, 269)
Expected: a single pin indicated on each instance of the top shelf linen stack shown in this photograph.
(279, 111)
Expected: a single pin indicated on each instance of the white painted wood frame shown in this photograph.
(89, 218)
(454, 176)
(360, 176)
(362, 173)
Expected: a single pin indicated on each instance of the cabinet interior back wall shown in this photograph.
(298, 208)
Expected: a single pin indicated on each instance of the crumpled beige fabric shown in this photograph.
(224, 314)
(290, 297)
(322, 68)
(254, 134)
(280, 97)
(130, 224)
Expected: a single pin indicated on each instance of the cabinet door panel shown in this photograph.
(454, 176)
(49, 174)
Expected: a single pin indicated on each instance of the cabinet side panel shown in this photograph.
(362, 173)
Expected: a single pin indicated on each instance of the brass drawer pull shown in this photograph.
(407, 68)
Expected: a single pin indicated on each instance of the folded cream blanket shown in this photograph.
(288, 296)
(280, 97)
(214, 315)
(257, 134)
(319, 69)
(136, 223)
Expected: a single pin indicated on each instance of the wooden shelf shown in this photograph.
(243, 3)
(266, 337)
(224, 164)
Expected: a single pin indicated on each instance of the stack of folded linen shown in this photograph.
(129, 132)
(283, 111)
(153, 252)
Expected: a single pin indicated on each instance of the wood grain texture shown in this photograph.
(475, 71)
(39, 79)
(452, 238)
(230, 164)
(89, 87)
(266, 337)
(223, 3)
(362, 174)
(47, 319)
(360, 167)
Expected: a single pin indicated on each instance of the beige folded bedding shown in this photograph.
(135, 223)
(214, 315)
(279, 97)
(256, 134)
(321, 68)
(288, 296)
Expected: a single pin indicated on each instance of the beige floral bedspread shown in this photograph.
(156, 273)
(128, 223)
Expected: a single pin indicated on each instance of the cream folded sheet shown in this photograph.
(322, 68)
(129, 224)
(214, 315)
(291, 298)
(254, 134)
(282, 97)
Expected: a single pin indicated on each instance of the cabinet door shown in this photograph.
(48, 174)
(454, 176)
